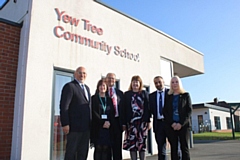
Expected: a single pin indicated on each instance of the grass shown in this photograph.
(215, 136)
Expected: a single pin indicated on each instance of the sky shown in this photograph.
(1, 2)
(210, 27)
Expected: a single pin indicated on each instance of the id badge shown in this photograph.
(104, 116)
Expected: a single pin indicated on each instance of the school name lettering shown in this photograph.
(61, 32)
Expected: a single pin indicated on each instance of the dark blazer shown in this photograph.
(119, 94)
(127, 98)
(75, 109)
(153, 106)
(97, 121)
(184, 109)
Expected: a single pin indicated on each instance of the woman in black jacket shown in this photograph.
(102, 117)
(136, 118)
(177, 112)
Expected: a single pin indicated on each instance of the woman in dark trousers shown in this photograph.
(136, 119)
(102, 117)
(177, 112)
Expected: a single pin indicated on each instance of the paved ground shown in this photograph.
(213, 150)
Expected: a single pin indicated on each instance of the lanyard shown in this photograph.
(103, 106)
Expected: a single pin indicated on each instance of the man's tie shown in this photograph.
(114, 100)
(84, 90)
(160, 103)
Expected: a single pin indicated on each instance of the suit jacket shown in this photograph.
(184, 109)
(97, 121)
(153, 106)
(75, 109)
(119, 94)
(128, 113)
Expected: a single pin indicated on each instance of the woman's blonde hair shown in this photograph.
(136, 78)
(181, 89)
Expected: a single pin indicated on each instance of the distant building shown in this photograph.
(215, 117)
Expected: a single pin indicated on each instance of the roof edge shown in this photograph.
(11, 22)
(150, 27)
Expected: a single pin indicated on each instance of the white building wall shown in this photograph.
(222, 114)
(201, 111)
(209, 114)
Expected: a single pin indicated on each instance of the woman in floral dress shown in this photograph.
(136, 119)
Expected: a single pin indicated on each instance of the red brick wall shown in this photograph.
(9, 48)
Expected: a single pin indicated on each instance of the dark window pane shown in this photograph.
(59, 139)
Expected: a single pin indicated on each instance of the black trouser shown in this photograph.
(160, 136)
(102, 153)
(182, 135)
(77, 145)
(117, 141)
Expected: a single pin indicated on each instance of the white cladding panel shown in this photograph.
(222, 114)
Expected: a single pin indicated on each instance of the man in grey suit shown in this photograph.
(75, 114)
(116, 95)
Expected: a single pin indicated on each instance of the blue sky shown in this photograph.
(2, 1)
(211, 27)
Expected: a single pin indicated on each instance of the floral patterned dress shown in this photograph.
(136, 134)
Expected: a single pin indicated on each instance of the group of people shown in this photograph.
(102, 118)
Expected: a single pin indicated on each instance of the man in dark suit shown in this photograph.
(117, 96)
(75, 114)
(156, 103)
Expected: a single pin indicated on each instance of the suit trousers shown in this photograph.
(77, 145)
(181, 135)
(117, 140)
(160, 136)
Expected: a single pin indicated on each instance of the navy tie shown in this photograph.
(160, 103)
(84, 90)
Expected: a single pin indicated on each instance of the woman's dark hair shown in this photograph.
(100, 82)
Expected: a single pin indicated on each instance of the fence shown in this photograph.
(204, 126)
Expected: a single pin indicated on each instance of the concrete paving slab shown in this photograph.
(212, 150)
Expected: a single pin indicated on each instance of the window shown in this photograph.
(200, 123)
(147, 88)
(117, 84)
(3, 3)
(217, 123)
(149, 138)
(229, 124)
(166, 71)
(58, 138)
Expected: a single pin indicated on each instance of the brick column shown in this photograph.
(9, 49)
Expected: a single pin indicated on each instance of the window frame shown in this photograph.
(163, 71)
(62, 72)
(217, 122)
